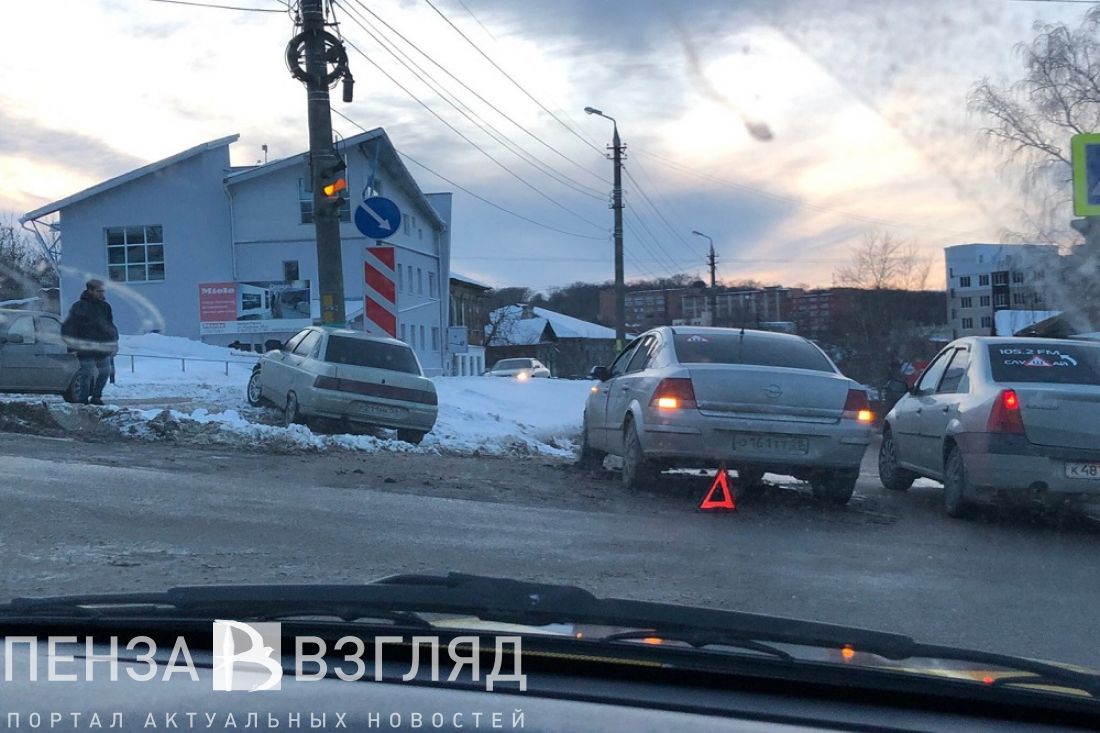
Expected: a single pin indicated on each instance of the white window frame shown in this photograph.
(152, 236)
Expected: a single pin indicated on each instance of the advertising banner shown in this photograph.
(254, 307)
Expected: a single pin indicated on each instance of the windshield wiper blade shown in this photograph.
(698, 641)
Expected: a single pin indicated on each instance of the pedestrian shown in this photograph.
(91, 334)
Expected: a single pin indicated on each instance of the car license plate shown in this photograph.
(775, 444)
(366, 408)
(1083, 470)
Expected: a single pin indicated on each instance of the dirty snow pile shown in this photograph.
(165, 391)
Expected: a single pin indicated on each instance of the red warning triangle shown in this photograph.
(719, 497)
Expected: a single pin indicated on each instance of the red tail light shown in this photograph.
(1005, 417)
(674, 394)
(856, 407)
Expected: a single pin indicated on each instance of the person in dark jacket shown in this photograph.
(90, 332)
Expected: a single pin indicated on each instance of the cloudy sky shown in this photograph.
(784, 129)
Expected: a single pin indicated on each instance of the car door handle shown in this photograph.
(625, 388)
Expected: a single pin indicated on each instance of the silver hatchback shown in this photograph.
(995, 415)
(349, 376)
(757, 401)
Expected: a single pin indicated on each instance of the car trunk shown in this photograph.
(769, 393)
(1064, 415)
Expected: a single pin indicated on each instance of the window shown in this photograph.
(419, 281)
(984, 301)
(964, 282)
(642, 355)
(435, 338)
(135, 254)
(932, 374)
(431, 284)
(49, 330)
(423, 342)
(756, 349)
(290, 270)
(1031, 362)
(403, 333)
(296, 339)
(987, 322)
(968, 323)
(954, 379)
(307, 345)
(419, 233)
(967, 302)
(1000, 300)
(954, 314)
(1018, 299)
(619, 365)
(409, 223)
(305, 202)
(1017, 277)
(374, 354)
(1000, 278)
(983, 280)
(23, 326)
(400, 278)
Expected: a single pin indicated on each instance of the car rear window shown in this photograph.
(1054, 364)
(751, 349)
(513, 364)
(358, 352)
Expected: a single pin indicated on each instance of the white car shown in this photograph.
(519, 368)
(349, 376)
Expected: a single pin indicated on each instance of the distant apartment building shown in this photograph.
(735, 308)
(816, 311)
(644, 309)
(985, 278)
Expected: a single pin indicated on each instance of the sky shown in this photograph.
(785, 130)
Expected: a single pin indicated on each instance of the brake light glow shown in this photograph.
(674, 394)
(857, 407)
(1005, 417)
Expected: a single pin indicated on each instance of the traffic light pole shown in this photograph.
(322, 157)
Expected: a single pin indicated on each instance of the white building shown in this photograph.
(244, 236)
(985, 278)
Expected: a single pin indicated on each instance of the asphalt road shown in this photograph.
(81, 517)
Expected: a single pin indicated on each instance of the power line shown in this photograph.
(653, 237)
(472, 91)
(436, 86)
(458, 132)
(475, 195)
(684, 240)
(509, 77)
(217, 7)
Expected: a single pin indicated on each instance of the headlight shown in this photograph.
(522, 376)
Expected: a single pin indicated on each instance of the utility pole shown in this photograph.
(712, 261)
(319, 47)
(617, 148)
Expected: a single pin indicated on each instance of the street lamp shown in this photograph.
(617, 207)
(712, 261)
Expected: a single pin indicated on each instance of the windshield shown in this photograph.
(374, 354)
(794, 307)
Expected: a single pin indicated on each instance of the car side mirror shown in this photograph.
(600, 373)
(273, 345)
(914, 390)
(13, 338)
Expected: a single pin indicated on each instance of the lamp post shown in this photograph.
(712, 261)
(617, 207)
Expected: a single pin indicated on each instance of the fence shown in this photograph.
(183, 360)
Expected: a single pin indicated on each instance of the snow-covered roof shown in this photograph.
(1011, 322)
(511, 328)
(469, 280)
(127, 177)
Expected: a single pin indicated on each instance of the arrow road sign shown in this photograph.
(377, 218)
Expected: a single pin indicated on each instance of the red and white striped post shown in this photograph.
(380, 291)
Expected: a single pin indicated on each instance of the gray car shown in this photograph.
(349, 376)
(996, 415)
(33, 356)
(757, 401)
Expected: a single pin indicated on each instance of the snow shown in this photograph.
(1010, 322)
(515, 330)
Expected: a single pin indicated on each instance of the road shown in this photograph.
(120, 516)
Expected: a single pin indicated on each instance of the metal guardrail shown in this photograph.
(184, 359)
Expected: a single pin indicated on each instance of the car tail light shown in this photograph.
(674, 394)
(1005, 417)
(857, 407)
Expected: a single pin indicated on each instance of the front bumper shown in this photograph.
(695, 439)
(1011, 463)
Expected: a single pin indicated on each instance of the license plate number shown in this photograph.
(776, 444)
(1083, 470)
(380, 410)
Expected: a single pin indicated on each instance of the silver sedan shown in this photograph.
(33, 356)
(757, 401)
(995, 415)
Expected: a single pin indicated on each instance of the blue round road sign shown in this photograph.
(377, 218)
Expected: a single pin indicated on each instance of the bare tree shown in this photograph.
(885, 262)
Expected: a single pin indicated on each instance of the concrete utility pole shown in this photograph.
(617, 206)
(712, 262)
(323, 163)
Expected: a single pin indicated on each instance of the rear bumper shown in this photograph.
(1011, 463)
(697, 439)
(369, 411)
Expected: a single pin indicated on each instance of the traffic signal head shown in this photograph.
(334, 186)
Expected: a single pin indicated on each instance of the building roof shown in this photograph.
(1011, 322)
(392, 161)
(469, 281)
(512, 329)
(127, 177)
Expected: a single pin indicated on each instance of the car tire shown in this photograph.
(638, 473)
(74, 392)
(835, 487)
(589, 459)
(750, 481)
(890, 474)
(411, 436)
(956, 501)
(292, 413)
(254, 392)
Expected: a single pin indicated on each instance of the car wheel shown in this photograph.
(750, 481)
(589, 458)
(638, 473)
(255, 390)
(411, 436)
(75, 391)
(292, 414)
(892, 476)
(835, 487)
(955, 489)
